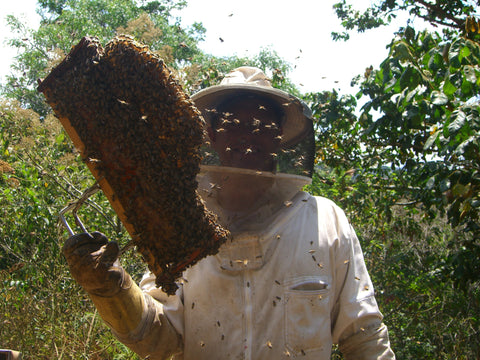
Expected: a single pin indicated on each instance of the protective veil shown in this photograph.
(257, 156)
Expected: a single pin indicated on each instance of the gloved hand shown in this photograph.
(93, 262)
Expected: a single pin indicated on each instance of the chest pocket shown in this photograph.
(307, 314)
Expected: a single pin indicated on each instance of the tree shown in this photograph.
(64, 23)
(406, 169)
(449, 14)
(420, 124)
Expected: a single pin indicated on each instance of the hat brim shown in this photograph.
(298, 122)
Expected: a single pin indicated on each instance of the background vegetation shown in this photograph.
(405, 168)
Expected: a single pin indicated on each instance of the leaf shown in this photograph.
(467, 88)
(430, 183)
(409, 33)
(460, 189)
(435, 62)
(464, 52)
(459, 118)
(402, 52)
(431, 140)
(410, 78)
(469, 73)
(448, 88)
(439, 98)
(465, 146)
(60, 138)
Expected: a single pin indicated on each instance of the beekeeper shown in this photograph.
(292, 280)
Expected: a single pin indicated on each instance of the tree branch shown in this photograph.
(444, 15)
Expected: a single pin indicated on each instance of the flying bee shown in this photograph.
(256, 122)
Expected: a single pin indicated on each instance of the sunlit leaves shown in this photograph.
(64, 23)
(439, 98)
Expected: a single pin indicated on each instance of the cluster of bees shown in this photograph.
(142, 134)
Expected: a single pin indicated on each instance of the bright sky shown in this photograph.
(299, 31)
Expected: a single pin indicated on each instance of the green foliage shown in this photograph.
(64, 23)
(44, 313)
(449, 14)
(428, 129)
(428, 317)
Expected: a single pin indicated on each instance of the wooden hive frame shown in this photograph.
(140, 136)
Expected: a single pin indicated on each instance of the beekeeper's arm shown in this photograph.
(358, 326)
(134, 317)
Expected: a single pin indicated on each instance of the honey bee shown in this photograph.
(153, 132)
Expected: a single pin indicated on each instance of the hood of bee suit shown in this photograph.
(244, 199)
(298, 116)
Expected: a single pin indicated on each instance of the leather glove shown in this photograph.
(93, 262)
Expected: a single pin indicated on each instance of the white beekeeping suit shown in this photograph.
(292, 280)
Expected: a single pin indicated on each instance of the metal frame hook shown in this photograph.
(74, 206)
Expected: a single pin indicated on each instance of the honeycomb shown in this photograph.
(140, 136)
